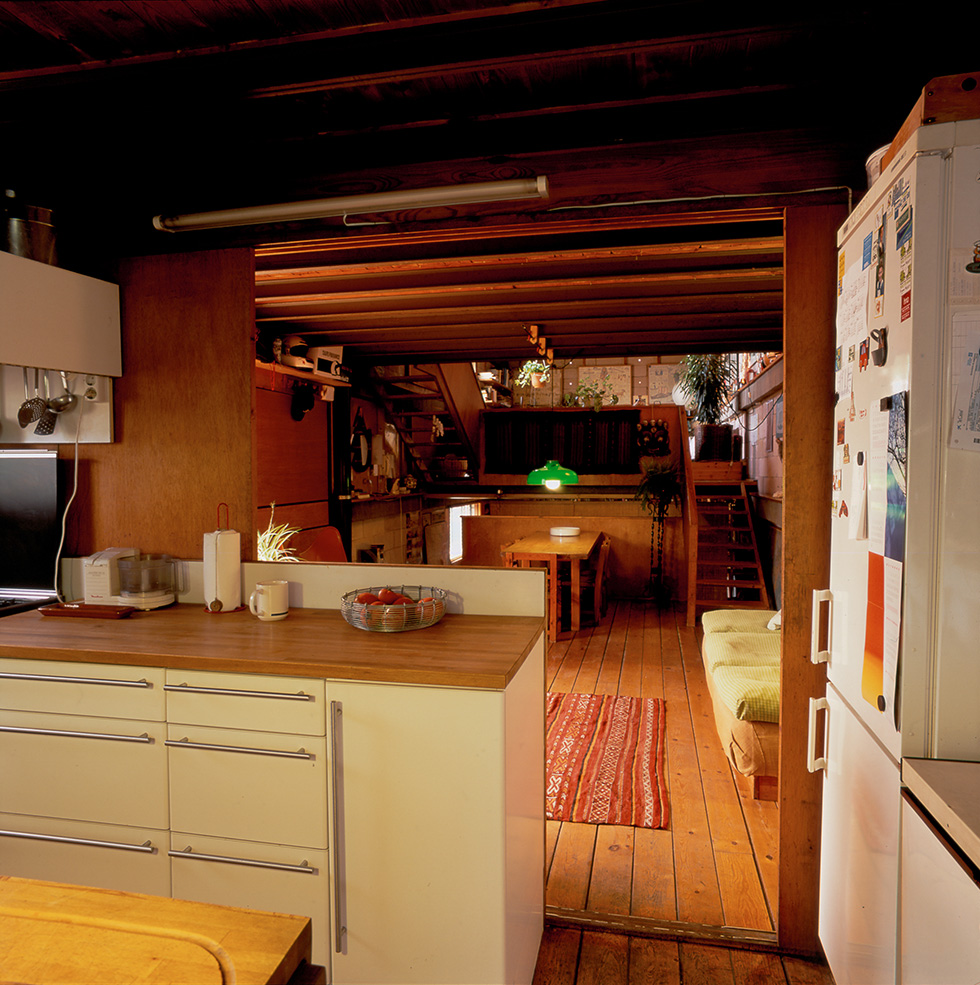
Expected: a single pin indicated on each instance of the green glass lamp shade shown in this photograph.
(552, 475)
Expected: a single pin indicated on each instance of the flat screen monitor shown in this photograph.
(30, 522)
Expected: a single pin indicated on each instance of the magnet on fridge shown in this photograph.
(880, 355)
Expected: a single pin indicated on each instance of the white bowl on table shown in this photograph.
(565, 531)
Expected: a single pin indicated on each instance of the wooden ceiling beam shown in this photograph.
(619, 290)
(755, 247)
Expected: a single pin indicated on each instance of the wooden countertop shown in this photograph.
(950, 792)
(59, 933)
(459, 651)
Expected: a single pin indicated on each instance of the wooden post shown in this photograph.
(810, 264)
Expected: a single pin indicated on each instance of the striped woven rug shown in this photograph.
(605, 758)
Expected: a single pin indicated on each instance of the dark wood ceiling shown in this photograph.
(672, 134)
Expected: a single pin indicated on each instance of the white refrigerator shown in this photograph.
(899, 625)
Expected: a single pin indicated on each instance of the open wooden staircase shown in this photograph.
(724, 567)
(435, 410)
(728, 571)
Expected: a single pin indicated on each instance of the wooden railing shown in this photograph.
(690, 519)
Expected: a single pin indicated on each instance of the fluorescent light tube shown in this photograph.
(319, 208)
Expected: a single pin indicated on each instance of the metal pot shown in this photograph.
(28, 230)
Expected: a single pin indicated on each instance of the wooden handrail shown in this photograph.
(690, 519)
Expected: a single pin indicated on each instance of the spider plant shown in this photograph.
(272, 542)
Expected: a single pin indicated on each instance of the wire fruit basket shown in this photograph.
(425, 607)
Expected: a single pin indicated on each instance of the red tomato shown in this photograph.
(366, 598)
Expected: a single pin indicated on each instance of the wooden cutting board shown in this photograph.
(52, 932)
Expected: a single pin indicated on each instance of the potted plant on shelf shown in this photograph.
(659, 486)
(534, 372)
(592, 393)
(707, 381)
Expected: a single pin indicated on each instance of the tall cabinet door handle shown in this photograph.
(818, 656)
(813, 761)
(339, 834)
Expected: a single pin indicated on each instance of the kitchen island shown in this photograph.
(390, 786)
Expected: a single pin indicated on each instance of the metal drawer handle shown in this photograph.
(77, 735)
(191, 689)
(186, 743)
(147, 846)
(142, 682)
(188, 852)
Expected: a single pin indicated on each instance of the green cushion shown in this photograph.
(736, 620)
(741, 650)
(750, 693)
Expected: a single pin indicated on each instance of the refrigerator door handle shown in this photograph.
(813, 761)
(818, 656)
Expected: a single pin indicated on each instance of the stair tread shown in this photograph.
(730, 583)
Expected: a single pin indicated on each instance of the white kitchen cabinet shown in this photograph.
(248, 793)
(83, 789)
(58, 319)
(278, 878)
(940, 918)
(257, 786)
(438, 859)
(109, 856)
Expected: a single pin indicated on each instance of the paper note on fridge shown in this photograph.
(965, 431)
(857, 510)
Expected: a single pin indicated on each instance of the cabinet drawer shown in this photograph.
(260, 877)
(91, 769)
(73, 688)
(257, 786)
(105, 855)
(246, 701)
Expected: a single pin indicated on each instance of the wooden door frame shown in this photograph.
(809, 300)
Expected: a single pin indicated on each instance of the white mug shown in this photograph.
(270, 600)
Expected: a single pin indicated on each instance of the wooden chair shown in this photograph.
(326, 546)
(592, 583)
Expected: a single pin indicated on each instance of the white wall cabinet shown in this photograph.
(57, 319)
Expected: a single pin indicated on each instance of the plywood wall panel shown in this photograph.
(183, 409)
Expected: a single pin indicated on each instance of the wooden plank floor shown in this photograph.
(712, 870)
(570, 956)
(716, 863)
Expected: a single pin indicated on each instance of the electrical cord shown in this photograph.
(71, 499)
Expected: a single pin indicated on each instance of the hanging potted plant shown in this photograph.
(534, 372)
(659, 486)
(706, 380)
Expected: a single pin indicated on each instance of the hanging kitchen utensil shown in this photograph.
(48, 418)
(360, 445)
(66, 401)
(33, 407)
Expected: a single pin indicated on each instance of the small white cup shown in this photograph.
(270, 600)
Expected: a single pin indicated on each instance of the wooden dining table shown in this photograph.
(542, 545)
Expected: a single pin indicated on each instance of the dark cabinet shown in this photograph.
(588, 441)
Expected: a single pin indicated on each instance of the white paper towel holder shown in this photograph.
(222, 575)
